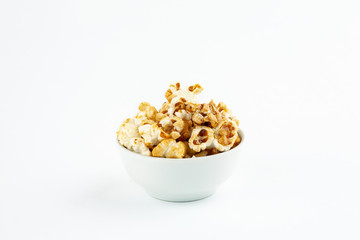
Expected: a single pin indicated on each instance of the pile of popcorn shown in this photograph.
(182, 128)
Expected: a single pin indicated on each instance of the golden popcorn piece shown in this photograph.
(189, 151)
(169, 148)
(150, 111)
(207, 114)
(176, 150)
(169, 94)
(160, 116)
(224, 111)
(147, 121)
(237, 141)
(215, 110)
(225, 135)
(212, 151)
(196, 89)
(192, 107)
(161, 149)
(234, 119)
(198, 118)
(204, 108)
(222, 107)
(172, 126)
(180, 104)
(201, 138)
(202, 154)
(206, 152)
(175, 135)
(178, 124)
(186, 131)
(164, 108)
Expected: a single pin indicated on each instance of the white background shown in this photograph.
(72, 71)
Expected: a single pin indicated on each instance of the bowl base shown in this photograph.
(180, 197)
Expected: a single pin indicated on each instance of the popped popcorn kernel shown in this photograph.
(201, 138)
(225, 135)
(150, 111)
(169, 148)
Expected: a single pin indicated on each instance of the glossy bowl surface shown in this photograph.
(185, 179)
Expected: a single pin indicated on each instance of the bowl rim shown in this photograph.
(240, 132)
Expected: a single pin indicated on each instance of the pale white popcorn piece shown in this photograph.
(175, 101)
(141, 116)
(152, 134)
(165, 122)
(138, 145)
(127, 131)
(202, 137)
(183, 114)
(182, 95)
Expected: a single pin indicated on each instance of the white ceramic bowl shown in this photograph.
(179, 180)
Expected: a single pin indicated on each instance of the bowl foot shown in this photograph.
(180, 197)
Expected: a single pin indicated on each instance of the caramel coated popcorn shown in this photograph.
(181, 128)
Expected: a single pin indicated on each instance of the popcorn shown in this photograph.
(186, 131)
(237, 141)
(170, 148)
(138, 145)
(234, 119)
(225, 135)
(177, 96)
(141, 116)
(188, 94)
(182, 128)
(198, 118)
(201, 154)
(183, 114)
(159, 116)
(224, 111)
(215, 111)
(207, 152)
(172, 125)
(165, 107)
(192, 107)
(127, 131)
(169, 95)
(212, 151)
(196, 89)
(150, 111)
(152, 134)
(128, 136)
(189, 151)
(201, 138)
